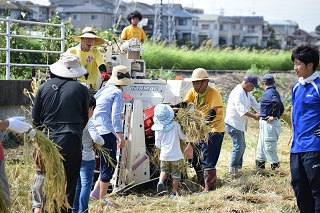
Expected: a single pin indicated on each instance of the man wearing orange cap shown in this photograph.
(90, 57)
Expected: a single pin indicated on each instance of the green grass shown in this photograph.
(214, 58)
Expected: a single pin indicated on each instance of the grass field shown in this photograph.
(250, 191)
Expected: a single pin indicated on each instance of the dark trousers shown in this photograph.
(305, 180)
(206, 154)
(108, 163)
(71, 151)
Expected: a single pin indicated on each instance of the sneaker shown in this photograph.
(233, 170)
(94, 196)
(160, 187)
(172, 195)
(107, 202)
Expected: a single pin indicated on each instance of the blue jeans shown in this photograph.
(210, 152)
(84, 186)
(305, 180)
(239, 145)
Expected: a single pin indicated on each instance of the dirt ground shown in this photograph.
(228, 81)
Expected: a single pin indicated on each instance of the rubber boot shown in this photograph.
(200, 177)
(210, 179)
(275, 165)
(260, 165)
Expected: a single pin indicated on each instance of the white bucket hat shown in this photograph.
(120, 76)
(163, 115)
(68, 66)
(89, 32)
(198, 75)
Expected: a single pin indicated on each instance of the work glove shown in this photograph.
(17, 124)
(99, 141)
(32, 133)
(317, 132)
(105, 76)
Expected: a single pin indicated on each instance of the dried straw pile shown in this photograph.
(193, 124)
(3, 206)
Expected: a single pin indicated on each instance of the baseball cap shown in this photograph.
(268, 78)
(252, 79)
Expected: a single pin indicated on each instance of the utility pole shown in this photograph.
(157, 29)
(171, 23)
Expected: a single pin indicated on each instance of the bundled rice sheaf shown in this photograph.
(55, 177)
(193, 124)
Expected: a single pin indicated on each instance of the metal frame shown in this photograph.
(8, 49)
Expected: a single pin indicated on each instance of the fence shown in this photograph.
(10, 34)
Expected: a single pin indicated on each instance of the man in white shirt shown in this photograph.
(238, 110)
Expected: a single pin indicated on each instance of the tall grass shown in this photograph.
(214, 58)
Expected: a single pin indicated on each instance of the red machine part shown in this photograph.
(148, 114)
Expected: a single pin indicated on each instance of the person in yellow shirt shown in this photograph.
(90, 57)
(208, 100)
(133, 31)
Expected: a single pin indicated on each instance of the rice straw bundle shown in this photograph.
(286, 116)
(193, 124)
(104, 152)
(3, 206)
(55, 177)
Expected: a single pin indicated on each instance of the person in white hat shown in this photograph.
(61, 108)
(15, 124)
(108, 122)
(209, 101)
(240, 102)
(90, 57)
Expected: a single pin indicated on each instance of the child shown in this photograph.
(133, 31)
(167, 137)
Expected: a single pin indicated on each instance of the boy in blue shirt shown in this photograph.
(305, 149)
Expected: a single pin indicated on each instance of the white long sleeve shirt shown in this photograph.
(239, 103)
(169, 143)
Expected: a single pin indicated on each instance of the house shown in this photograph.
(41, 12)
(241, 30)
(303, 37)
(208, 28)
(81, 13)
(15, 10)
(186, 24)
(284, 30)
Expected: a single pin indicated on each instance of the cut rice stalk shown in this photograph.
(55, 180)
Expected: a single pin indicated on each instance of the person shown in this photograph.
(107, 119)
(90, 57)
(38, 182)
(88, 163)
(168, 134)
(15, 124)
(271, 108)
(239, 104)
(305, 148)
(209, 101)
(61, 108)
(133, 31)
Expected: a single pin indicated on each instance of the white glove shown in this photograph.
(99, 140)
(16, 124)
(32, 133)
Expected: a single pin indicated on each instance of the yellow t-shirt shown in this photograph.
(133, 32)
(212, 99)
(91, 61)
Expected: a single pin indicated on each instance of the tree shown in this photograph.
(317, 29)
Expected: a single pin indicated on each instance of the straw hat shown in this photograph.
(89, 32)
(198, 75)
(68, 66)
(120, 76)
(163, 115)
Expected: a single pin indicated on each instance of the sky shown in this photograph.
(306, 13)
